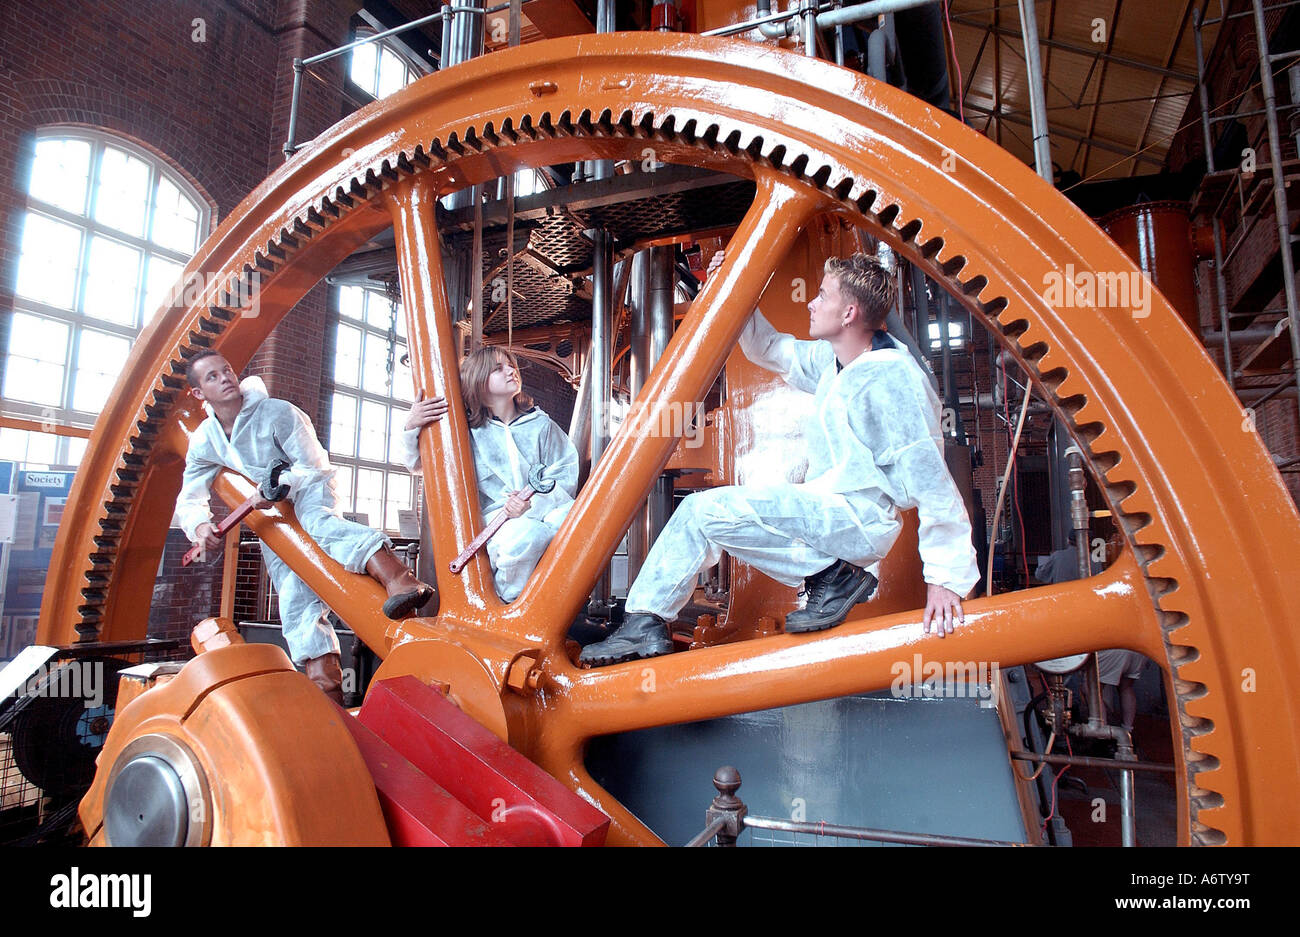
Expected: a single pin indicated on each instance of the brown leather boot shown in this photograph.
(325, 672)
(406, 594)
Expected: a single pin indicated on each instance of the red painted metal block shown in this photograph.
(419, 812)
(484, 773)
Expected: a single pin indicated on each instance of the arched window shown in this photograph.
(107, 231)
(377, 69)
(371, 393)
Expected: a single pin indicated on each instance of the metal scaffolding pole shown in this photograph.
(1279, 184)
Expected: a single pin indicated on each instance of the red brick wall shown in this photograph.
(216, 110)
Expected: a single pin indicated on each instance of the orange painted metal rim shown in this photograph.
(1210, 529)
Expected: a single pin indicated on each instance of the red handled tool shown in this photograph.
(535, 483)
(270, 490)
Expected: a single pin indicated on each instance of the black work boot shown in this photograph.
(640, 635)
(831, 593)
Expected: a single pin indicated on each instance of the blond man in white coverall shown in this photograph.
(874, 447)
(248, 431)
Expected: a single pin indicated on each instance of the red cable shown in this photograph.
(961, 113)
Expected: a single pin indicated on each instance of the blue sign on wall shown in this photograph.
(41, 499)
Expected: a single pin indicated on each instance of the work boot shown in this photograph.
(831, 593)
(325, 672)
(640, 635)
(406, 594)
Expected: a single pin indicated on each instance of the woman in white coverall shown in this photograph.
(874, 447)
(510, 437)
(248, 431)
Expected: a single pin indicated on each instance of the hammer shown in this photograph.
(270, 489)
(535, 483)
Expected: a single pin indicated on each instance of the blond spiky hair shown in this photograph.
(865, 282)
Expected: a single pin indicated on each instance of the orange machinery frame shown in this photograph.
(1211, 532)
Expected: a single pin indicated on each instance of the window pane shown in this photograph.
(51, 258)
(362, 71)
(374, 377)
(100, 359)
(347, 355)
(352, 302)
(392, 73)
(60, 173)
(399, 499)
(374, 431)
(343, 486)
(112, 281)
(38, 350)
(35, 449)
(343, 425)
(370, 494)
(76, 449)
(528, 182)
(175, 218)
(378, 311)
(396, 425)
(403, 384)
(160, 276)
(401, 322)
(123, 193)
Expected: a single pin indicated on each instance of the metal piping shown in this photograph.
(638, 544)
(1037, 104)
(663, 280)
(580, 421)
(466, 42)
(782, 25)
(601, 379)
(598, 169)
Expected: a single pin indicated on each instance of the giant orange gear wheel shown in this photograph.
(1211, 532)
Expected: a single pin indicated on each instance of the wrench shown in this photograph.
(270, 489)
(535, 483)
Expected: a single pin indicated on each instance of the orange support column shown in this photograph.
(450, 485)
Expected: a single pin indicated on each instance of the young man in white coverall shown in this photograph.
(248, 431)
(874, 447)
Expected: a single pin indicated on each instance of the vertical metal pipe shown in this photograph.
(663, 280)
(580, 421)
(601, 381)
(951, 399)
(1293, 86)
(1037, 104)
(445, 58)
(1204, 92)
(291, 144)
(1128, 813)
(839, 38)
(1279, 185)
(810, 28)
(600, 344)
(1220, 285)
(598, 169)
(476, 270)
(466, 42)
(638, 366)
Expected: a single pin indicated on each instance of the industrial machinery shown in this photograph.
(1210, 532)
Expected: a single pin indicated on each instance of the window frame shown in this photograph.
(89, 228)
(397, 345)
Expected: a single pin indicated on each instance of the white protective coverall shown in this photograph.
(503, 457)
(874, 447)
(266, 430)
